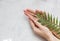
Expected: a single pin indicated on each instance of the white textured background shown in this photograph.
(14, 25)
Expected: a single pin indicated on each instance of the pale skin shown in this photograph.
(39, 29)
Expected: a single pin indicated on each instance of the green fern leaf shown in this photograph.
(51, 22)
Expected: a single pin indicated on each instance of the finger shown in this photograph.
(32, 24)
(35, 29)
(31, 12)
(39, 25)
(30, 16)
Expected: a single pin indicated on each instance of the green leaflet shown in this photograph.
(48, 17)
(54, 20)
(45, 17)
(57, 20)
(51, 17)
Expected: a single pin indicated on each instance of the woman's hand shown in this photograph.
(37, 27)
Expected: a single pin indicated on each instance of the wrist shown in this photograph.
(53, 38)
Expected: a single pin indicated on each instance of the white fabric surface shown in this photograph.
(14, 25)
